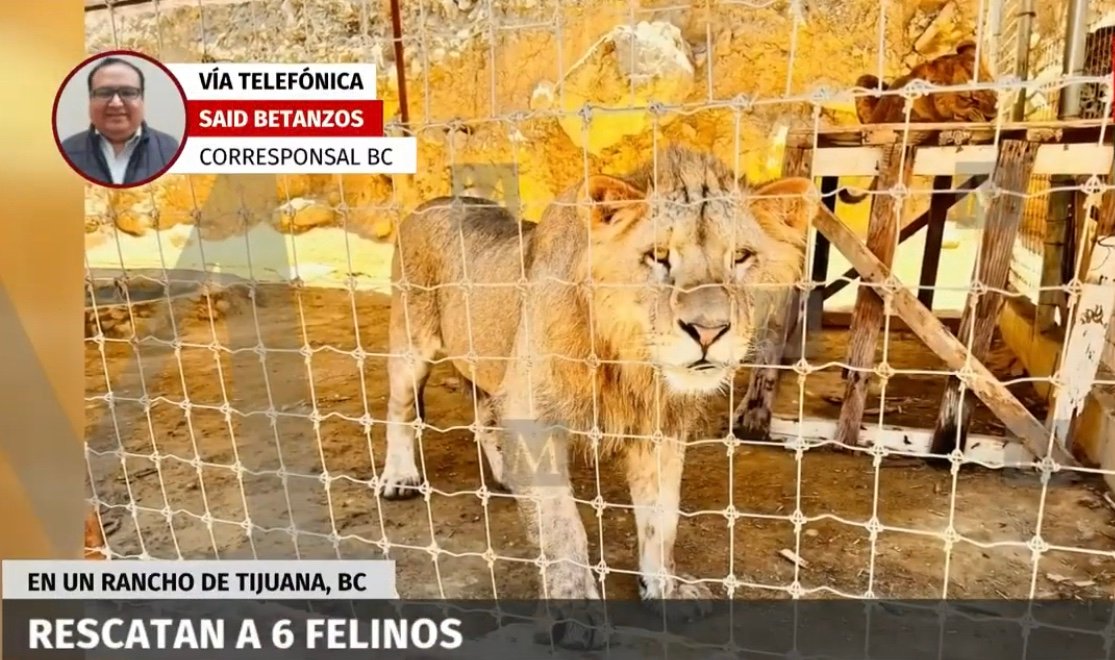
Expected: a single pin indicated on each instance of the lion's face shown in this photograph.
(977, 105)
(678, 271)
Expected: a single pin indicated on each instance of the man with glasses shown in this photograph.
(119, 147)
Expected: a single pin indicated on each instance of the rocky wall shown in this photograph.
(488, 86)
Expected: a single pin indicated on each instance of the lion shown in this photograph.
(954, 68)
(676, 254)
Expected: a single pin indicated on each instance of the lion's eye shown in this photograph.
(659, 254)
(742, 256)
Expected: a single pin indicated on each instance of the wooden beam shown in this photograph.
(843, 320)
(867, 317)
(939, 206)
(753, 414)
(821, 252)
(96, 5)
(1059, 206)
(951, 198)
(1084, 341)
(1070, 261)
(981, 313)
(1015, 416)
(1106, 224)
(968, 160)
(924, 133)
(992, 451)
(811, 323)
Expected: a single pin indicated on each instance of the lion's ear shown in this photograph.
(789, 201)
(603, 200)
(966, 46)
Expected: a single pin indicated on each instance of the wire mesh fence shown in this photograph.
(1044, 62)
(241, 351)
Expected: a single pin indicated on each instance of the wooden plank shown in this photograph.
(1002, 403)
(867, 317)
(1106, 224)
(1085, 341)
(843, 320)
(1070, 260)
(918, 133)
(1053, 251)
(753, 414)
(952, 198)
(938, 212)
(812, 323)
(990, 451)
(820, 272)
(97, 5)
(1069, 159)
(981, 313)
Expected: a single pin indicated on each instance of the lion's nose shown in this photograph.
(705, 333)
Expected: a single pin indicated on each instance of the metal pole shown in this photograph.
(995, 20)
(400, 66)
(1025, 23)
(1076, 36)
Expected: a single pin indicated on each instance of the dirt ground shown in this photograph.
(194, 503)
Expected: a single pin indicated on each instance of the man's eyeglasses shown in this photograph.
(106, 93)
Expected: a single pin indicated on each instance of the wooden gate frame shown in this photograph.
(894, 153)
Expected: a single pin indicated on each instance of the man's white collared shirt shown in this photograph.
(118, 163)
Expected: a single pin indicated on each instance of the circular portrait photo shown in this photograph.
(120, 119)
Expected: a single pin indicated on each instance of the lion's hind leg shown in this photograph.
(487, 434)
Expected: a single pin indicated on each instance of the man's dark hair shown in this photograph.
(109, 61)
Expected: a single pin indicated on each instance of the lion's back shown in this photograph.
(450, 241)
(946, 70)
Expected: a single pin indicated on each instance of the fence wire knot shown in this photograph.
(1093, 186)
(820, 94)
(916, 88)
(585, 113)
(1037, 546)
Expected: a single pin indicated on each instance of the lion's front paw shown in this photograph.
(575, 624)
(684, 598)
(395, 484)
(955, 136)
(574, 610)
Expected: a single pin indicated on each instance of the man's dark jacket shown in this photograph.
(151, 154)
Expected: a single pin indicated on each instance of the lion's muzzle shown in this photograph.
(704, 314)
(703, 334)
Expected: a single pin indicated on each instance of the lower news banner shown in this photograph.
(350, 609)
